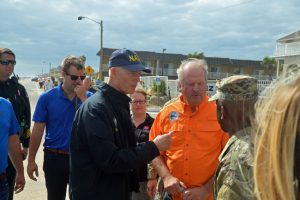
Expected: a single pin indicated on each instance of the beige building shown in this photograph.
(166, 64)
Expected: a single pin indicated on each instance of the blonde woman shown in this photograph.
(277, 158)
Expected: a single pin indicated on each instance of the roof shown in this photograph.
(290, 38)
(149, 55)
(215, 61)
(211, 61)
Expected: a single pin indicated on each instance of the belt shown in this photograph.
(3, 176)
(58, 151)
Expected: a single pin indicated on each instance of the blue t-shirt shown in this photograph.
(8, 126)
(58, 112)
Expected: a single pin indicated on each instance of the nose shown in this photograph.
(79, 81)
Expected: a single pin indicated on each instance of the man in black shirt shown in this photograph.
(12, 90)
(103, 151)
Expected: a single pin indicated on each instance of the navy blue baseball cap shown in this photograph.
(128, 60)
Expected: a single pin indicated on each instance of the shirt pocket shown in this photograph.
(178, 137)
(207, 134)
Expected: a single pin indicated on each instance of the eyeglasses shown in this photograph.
(138, 102)
(6, 62)
(75, 77)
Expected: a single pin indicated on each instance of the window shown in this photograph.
(146, 63)
(214, 69)
(238, 70)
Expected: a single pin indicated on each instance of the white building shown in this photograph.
(287, 52)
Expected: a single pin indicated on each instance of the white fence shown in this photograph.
(172, 85)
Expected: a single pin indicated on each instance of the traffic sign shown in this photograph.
(89, 70)
(157, 80)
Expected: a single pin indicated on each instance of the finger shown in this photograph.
(171, 133)
(30, 174)
(32, 177)
(150, 192)
(182, 185)
(19, 187)
(36, 173)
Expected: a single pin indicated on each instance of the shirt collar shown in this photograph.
(186, 108)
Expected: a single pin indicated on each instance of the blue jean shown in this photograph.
(4, 190)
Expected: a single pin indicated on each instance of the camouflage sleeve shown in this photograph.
(238, 179)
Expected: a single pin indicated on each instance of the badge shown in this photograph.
(173, 116)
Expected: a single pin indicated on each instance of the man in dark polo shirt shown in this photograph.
(55, 110)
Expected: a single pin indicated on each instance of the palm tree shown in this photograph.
(83, 58)
(196, 55)
(270, 65)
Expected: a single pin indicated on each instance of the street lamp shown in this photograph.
(43, 67)
(163, 58)
(101, 42)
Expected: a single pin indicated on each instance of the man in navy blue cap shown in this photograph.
(103, 150)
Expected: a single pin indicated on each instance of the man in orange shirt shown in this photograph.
(188, 166)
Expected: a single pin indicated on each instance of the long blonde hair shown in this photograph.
(277, 118)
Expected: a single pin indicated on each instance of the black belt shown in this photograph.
(3, 176)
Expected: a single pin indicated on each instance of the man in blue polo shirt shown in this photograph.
(9, 144)
(55, 110)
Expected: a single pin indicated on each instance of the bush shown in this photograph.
(160, 89)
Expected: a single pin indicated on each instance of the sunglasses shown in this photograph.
(74, 77)
(138, 102)
(6, 62)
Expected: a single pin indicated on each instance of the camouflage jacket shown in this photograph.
(234, 175)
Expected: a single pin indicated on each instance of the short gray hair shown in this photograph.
(200, 62)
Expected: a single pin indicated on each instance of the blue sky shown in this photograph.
(42, 32)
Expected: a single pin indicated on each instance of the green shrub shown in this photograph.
(160, 89)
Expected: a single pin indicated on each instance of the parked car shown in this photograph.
(35, 79)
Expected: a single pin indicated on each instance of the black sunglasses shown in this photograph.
(74, 77)
(6, 62)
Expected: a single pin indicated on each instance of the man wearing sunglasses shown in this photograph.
(55, 111)
(12, 90)
(103, 151)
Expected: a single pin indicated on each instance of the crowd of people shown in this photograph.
(104, 145)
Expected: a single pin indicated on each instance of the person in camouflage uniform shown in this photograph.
(235, 99)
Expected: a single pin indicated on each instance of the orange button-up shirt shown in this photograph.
(196, 144)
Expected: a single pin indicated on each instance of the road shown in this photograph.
(36, 190)
(33, 190)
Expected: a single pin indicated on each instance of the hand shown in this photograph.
(24, 153)
(80, 91)
(20, 182)
(151, 188)
(172, 185)
(32, 168)
(163, 142)
(197, 193)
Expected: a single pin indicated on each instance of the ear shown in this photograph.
(112, 71)
(63, 74)
(179, 86)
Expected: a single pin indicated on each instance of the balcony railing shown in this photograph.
(289, 49)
